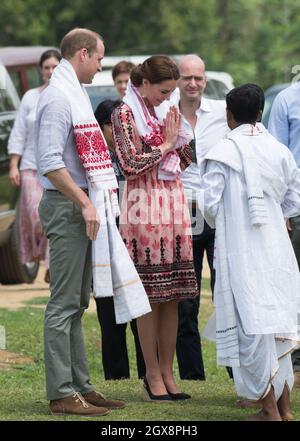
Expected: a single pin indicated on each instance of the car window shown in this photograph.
(267, 109)
(34, 77)
(270, 96)
(9, 102)
(98, 94)
(15, 77)
(210, 91)
(9, 99)
(221, 89)
(215, 89)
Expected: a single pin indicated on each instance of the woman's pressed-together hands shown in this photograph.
(171, 129)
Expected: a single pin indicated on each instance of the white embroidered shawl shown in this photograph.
(260, 177)
(109, 276)
(151, 131)
(256, 200)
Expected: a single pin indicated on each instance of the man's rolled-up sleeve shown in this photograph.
(53, 127)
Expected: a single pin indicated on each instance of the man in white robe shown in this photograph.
(251, 185)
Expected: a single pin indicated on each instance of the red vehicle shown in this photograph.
(22, 64)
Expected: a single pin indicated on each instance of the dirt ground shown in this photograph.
(10, 360)
(16, 296)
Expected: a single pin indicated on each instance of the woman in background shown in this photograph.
(121, 74)
(23, 169)
(113, 343)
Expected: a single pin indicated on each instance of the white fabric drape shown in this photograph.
(265, 362)
(113, 269)
(260, 263)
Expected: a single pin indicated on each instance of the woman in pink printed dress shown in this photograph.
(155, 222)
(23, 169)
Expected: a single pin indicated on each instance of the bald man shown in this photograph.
(205, 120)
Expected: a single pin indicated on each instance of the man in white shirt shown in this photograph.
(205, 120)
(251, 185)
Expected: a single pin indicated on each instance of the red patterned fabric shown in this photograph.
(90, 144)
(91, 147)
(34, 244)
(155, 221)
(150, 129)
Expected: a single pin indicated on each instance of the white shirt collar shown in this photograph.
(205, 104)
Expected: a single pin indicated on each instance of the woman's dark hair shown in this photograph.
(155, 69)
(122, 67)
(104, 111)
(48, 54)
(245, 102)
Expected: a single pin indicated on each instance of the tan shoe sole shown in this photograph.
(77, 414)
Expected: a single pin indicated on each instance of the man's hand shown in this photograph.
(92, 221)
(288, 225)
(63, 182)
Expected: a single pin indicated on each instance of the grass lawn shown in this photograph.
(22, 388)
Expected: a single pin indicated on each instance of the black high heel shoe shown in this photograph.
(179, 396)
(149, 396)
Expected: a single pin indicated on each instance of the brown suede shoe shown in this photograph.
(75, 405)
(97, 399)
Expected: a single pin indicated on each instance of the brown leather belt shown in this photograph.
(57, 191)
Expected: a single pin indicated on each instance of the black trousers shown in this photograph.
(188, 347)
(113, 343)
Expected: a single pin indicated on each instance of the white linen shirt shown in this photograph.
(54, 139)
(21, 140)
(211, 127)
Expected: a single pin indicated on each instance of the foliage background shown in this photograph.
(254, 40)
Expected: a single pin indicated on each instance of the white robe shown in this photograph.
(264, 362)
(256, 269)
(263, 270)
(257, 286)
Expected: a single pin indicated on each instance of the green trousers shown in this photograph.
(71, 275)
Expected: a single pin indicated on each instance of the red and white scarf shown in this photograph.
(150, 129)
(114, 273)
(90, 142)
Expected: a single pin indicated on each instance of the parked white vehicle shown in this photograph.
(102, 87)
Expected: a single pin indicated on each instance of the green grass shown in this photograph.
(38, 301)
(22, 389)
